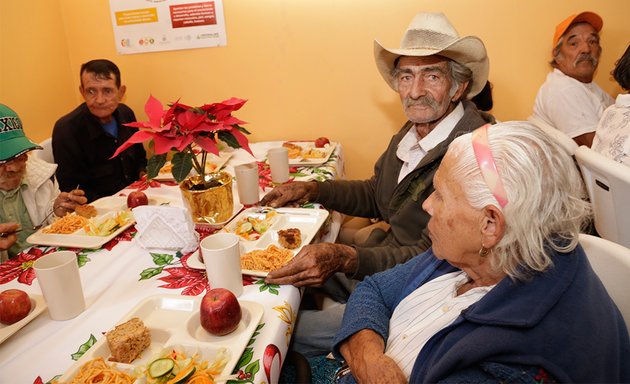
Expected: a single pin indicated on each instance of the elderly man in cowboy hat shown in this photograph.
(434, 71)
(29, 194)
(569, 99)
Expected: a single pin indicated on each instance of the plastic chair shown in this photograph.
(46, 152)
(611, 262)
(608, 186)
(560, 137)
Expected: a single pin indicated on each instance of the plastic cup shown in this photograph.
(60, 282)
(279, 164)
(221, 255)
(247, 183)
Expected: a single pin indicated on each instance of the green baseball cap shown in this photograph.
(13, 142)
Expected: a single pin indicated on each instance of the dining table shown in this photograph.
(120, 274)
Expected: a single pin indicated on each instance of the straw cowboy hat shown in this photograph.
(432, 34)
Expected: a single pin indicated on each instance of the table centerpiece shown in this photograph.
(187, 134)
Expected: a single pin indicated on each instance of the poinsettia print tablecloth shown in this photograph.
(121, 274)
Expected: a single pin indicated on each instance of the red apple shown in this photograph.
(137, 198)
(14, 306)
(220, 312)
(321, 142)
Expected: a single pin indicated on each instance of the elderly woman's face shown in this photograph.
(455, 226)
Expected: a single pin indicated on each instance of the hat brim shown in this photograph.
(469, 51)
(15, 147)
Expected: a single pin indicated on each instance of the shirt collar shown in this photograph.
(412, 140)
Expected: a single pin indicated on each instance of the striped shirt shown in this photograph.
(426, 311)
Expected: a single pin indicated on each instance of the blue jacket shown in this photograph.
(562, 321)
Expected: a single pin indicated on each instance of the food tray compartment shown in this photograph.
(174, 323)
(308, 145)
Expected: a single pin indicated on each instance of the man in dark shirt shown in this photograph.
(84, 140)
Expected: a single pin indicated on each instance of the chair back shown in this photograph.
(608, 186)
(46, 152)
(611, 262)
(567, 143)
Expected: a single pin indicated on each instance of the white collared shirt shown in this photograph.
(426, 311)
(412, 149)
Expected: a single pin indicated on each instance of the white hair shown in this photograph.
(546, 207)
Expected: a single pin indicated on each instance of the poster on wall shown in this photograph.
(163, 25)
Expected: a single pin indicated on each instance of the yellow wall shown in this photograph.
(306, 66)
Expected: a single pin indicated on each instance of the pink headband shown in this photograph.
(486, 163)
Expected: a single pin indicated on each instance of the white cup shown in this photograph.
(247, 183)
(279, 164)
(60, 282)
(221, 254)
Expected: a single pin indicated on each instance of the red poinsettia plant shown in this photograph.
(187, 132)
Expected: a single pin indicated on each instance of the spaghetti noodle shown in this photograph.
(266, 259)
(97, 371)
(68, 224)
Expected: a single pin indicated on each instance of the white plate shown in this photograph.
(78, 239)
(174, 321)
(307, 145)
(38, 305)
(211, 161)
(119, 203)
(307, 220)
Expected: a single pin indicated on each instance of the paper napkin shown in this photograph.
(165, 227)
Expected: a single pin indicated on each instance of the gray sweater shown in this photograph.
(399, 204)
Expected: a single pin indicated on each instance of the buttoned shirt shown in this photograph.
(14, 211)
(612, 138)
(425, 312)
(412, 148)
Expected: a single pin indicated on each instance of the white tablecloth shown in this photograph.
(118, 276)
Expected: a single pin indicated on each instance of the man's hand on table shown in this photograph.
(67, 201)
(9, 237)
(315, 264)
(295, 193)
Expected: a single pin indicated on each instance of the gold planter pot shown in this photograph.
(208, 204)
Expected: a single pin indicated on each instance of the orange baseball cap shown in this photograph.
(589, 17)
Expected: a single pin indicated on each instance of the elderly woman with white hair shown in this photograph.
(505, 293)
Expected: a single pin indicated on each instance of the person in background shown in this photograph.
(611, 136)
(569, 100)
(84, 140)
(505, 294)
(435, 72)
(29, 194)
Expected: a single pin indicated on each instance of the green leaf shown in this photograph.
(162, 258)
(229, 139)
(154, 164)
(246, 357)
(150, 272)
(253, 368)
(273, 290)
(54, 379)
(245, 131)
(182, 165)
(83, 348)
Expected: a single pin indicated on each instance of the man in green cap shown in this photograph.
(29, 194)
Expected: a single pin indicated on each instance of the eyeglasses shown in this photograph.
(487, 166)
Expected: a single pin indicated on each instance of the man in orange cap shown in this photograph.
(569, 99)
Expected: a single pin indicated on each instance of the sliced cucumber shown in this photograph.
(245, 227)
(161, 367)
(185, 374)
